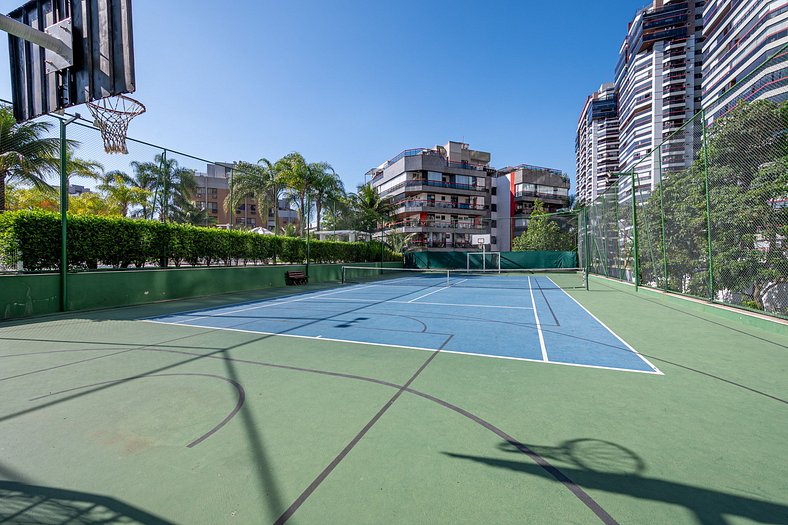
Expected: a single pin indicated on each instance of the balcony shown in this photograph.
(419, 204)
(420, 184)
(438, 226)
(529, 195)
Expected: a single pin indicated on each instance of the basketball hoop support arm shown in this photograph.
(40, 38)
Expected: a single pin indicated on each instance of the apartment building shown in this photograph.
(740, 37)
(440, 195)
(212, 190)
(514, 192)
(596, 144)
(658, 80)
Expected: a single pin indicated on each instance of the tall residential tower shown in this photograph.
(596, 144)
(658, 79)
(740, 37)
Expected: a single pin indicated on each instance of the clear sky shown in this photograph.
(355, 82)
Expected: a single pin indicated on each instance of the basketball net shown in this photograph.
(112, 116)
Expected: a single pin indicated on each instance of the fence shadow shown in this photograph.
(24, 503)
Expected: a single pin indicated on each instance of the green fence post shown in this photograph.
(635, 263)
(308, 213)
(382, 247)
(708, 202)
(63, 219)
(662, 223)
(585, 243)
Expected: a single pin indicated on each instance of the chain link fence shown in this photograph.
(710, 212)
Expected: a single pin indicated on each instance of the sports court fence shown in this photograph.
(705, 213)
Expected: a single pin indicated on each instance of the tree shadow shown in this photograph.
(24, 503)
(609, 467)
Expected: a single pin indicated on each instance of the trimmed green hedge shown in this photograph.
(34, 238)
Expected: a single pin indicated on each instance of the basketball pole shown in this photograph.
(64, 213)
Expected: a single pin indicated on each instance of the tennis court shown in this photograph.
(392, 398)
(517, 315)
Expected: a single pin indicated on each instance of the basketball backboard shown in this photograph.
(100, 33)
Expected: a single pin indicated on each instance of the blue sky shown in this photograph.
(353, 83)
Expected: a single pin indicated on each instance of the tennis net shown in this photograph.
(550, 278)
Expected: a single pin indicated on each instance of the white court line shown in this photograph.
(436, 291)
(656, 370)
(538, 325)
(426, 302)
(320, 338)
(268, 303)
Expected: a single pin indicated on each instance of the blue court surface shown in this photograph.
(512, 317)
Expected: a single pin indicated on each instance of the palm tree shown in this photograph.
(370, 208)
(172, 185)
(123, 194)
(327, 187)
(188, 213)
(26, 155)
(262, 182)
(297, 178)
(144, 178)
(76, 167)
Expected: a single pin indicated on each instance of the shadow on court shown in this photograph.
(606, 466)
(24, 503)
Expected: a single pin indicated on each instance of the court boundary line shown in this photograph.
(389, 345)
(649, 363)
(538, 324)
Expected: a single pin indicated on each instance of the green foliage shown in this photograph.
(97, 241)
(544, 233)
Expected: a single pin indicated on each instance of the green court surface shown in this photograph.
(108, 418)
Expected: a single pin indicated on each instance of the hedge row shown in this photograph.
(34, 238)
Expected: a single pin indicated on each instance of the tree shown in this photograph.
(369, 208)
(26, 154)
(327, 187)
(543, 233)
(259, 181)
(77, 167)
(33, 198)
(188, 213)
(298, 179)
(747, 168)
(90, 203)
(144, 178)
(172, 185)
(121, 194)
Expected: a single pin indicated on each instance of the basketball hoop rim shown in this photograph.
(100, 105)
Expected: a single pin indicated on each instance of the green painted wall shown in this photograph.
(39, 294)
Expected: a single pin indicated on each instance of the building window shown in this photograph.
(494, 190)
(493, 207)
(494, 223)
(213, 207)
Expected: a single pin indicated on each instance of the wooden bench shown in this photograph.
(296, 277)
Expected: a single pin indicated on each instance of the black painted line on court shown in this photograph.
(548, 303)
(587, 500)
(227, 418)
(63, 365)
(353, 442)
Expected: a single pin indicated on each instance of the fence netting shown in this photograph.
(710, 218)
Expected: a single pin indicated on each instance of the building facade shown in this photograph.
(744, 59)
(596, 144)
(212, 190)
(658, 80)
(513, 195)
(440, 196)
